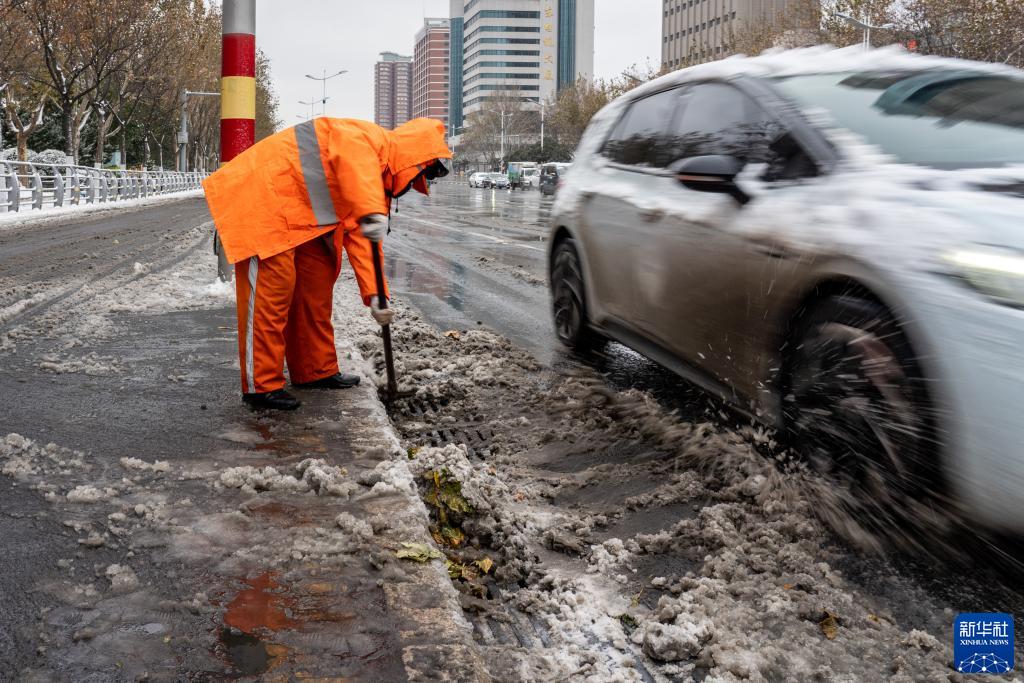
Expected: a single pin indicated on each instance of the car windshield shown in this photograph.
(943, 118)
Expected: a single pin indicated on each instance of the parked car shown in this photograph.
(831, 241)
(551, 176)
(477, 179)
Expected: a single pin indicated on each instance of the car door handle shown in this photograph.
(586, 195)
(652, 215)
(776, 251)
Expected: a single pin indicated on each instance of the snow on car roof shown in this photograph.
(777, 63)
(816, 60)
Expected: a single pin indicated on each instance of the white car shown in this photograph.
(831, 240)
(531, 178)
(477, 179)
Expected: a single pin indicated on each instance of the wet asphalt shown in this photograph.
(467, 257)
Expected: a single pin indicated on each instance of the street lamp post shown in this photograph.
(863, 24)
(543, 108)
(313, 102)
(183, 130)
(503, 115)
(323, 79)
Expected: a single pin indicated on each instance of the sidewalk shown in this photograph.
(191, 538)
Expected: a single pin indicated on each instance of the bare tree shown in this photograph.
(22, 99)
(83, 43)
(983, 30)
(503, 117)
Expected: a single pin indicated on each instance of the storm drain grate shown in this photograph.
(429, 410)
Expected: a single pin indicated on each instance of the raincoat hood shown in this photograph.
(414, 145)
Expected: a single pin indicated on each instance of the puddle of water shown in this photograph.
(255, 610)
(651, 520)
(260, 607)
(246, 653)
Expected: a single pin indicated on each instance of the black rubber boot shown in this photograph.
(339, 381)
(279, 399)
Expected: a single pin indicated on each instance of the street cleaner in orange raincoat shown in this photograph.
(284, 210)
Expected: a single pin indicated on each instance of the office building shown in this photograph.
(527, 49)
(694, 31)
(430, 70)
(392, 90)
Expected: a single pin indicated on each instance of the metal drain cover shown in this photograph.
(428, 410)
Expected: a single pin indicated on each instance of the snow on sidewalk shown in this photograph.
(307, 510)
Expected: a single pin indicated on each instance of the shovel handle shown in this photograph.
(382, 303)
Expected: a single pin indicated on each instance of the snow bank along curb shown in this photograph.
(58, 213)
(442, 646)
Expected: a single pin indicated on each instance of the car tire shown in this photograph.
(856, 406)
(569, 300)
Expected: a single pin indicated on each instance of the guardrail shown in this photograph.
(25, 186)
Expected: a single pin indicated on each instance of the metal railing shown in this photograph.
(25, 186)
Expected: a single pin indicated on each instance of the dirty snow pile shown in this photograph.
(733, 577)
(313, 475)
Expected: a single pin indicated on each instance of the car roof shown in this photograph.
(818, 60)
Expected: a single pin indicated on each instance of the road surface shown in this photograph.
(636, 528)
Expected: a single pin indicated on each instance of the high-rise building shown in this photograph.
(702, 30)
(392, 90)
(430, 70)
(527, 49)
(455, 45)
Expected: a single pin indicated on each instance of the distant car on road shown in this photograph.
(517, 173)
(833, 242)
(477, 179)
(531, 178)
(551, 176)
(497, 180)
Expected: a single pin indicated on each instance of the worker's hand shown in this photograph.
(374, 227)
(383, 316)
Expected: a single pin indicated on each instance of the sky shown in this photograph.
(309, 36)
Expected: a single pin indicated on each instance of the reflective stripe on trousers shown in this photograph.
(250, 369)
(284, 313)
(314, 175)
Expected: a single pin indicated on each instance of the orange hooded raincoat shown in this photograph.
(272, 202)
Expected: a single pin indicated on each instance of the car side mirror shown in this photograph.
(714, 173)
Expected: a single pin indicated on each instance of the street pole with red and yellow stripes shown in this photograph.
(238, 79)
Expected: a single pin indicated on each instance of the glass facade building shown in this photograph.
(457, 27)
(519, 49)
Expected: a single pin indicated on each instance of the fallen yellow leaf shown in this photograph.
(829, 626)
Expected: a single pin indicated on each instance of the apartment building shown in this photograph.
(430, 70)
(392, 90)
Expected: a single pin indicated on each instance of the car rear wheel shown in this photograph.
(569, 302)
(856, 405)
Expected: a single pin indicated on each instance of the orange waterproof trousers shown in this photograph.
(284, 312)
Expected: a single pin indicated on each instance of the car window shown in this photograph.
(638, 139)
(944, 118)
(720, 119)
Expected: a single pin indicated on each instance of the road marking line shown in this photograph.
(470, 232)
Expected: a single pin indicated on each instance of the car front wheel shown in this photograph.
(857, 407)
